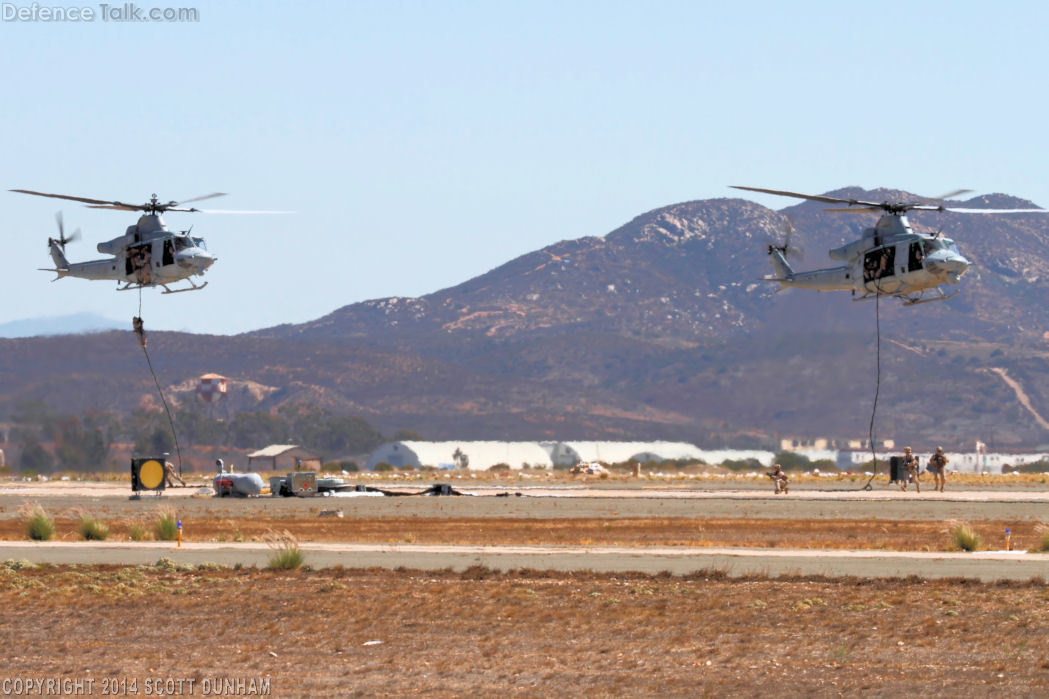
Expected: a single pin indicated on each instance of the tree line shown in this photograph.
(49, 439)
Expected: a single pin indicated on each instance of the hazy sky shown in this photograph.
(423, 143)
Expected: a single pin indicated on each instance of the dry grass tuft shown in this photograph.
(166, 527)
(286, 552)
(964, 536)
(38, 524)
(92, 529)
(1042, 542)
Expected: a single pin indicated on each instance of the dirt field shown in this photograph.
(376, 632)
(913, 535)
(531, 632)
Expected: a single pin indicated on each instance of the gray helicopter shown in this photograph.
(148, 254)
(890, 259)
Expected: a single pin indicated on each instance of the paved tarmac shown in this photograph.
(985, 566)
(570, 501)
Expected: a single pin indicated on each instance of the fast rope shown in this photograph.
(877, 386)
(140, 330)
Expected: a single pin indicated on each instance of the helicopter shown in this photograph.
(890, 259)
(149, 254)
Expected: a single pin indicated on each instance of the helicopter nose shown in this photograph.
(953, 266)
(195, 258)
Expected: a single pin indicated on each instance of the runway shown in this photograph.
(682, 560)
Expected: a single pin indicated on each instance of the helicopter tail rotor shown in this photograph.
(62, 240)
(786, 247)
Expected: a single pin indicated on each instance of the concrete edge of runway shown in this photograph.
(734, 562)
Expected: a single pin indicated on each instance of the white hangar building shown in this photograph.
(480, 456)
(571, 453)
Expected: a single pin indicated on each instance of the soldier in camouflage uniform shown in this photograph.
(779, 478)
(938, 462)
(910, 464)
(171, 476)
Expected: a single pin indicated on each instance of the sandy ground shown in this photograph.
(376, 632)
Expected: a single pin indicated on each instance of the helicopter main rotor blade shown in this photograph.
(948, 195)
(811, 197)
(989, 211)
(202, 198)
(72, 198)
(857, 210)
(231, 211)
(123, 207)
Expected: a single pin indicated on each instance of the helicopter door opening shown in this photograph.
(168, 258)
(916, 257)
(878, 264)
(138, 262)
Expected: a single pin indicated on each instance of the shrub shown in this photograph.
(742, 464)
(349, 466)
(286, 552)
(965, 537)
(1033, 467)
(1042, 544)
(382, 466)
(331, 467)
(137, 532)
(39, 526)
(92, 529)
(791, 461)
(166, 528)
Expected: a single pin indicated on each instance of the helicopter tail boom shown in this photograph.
(784, 272)
(58, 256)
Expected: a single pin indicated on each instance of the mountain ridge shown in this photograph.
(659, 329)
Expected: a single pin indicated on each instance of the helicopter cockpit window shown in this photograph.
(183, 243)
(915, 257)
(199, 242)
(933, 245)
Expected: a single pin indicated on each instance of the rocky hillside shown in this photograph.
(659, 329)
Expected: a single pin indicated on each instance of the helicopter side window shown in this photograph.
(169, 253)
(916, 257)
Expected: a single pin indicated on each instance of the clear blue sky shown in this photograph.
(423, 143)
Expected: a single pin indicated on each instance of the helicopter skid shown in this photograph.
(192, 287)
(911, 300)
(914, 301)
